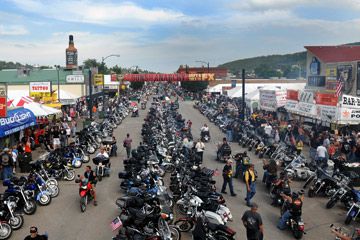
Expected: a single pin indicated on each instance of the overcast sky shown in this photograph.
(160, 35)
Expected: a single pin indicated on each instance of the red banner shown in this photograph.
(114, 78)
(175, 77)
(3, 112)
(326, 99)
(292, 95)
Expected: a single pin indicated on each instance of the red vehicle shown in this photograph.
(85, 192)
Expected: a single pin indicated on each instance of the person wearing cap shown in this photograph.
(253, 223)
(227, 176)
(34, 235)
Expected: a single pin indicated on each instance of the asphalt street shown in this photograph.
(62, 219)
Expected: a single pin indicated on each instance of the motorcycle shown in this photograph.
(353, 213)
(85, 192)
(7, 212)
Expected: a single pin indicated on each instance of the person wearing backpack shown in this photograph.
(250, 178)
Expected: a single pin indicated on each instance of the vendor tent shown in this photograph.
(40, 110)
(16, 120)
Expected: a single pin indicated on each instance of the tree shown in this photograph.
(92, 62)
(136, 85)
(194, 86)
(116, 69)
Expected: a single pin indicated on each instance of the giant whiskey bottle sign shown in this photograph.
(71, 54)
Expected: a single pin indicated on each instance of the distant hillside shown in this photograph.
(270, 66)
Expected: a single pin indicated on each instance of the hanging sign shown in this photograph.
(350, 101)
(75, 79)
(306, 97)
(40, 89)
(3, 101)
(291, 105)
(326, 113)
(98, 79)
(349, 115)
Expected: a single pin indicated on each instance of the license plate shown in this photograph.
(116, 224)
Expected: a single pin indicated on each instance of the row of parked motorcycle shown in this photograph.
(147, 210)
(23, 194)
(329, 181)
(292, 165)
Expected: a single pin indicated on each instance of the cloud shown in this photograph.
(265, 5)
(99, 12)
(12, 30)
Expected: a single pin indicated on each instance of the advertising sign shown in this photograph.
(75, 79)
(316, 81)
(3, 101)
(114, 77)
(306, 109)
(17, 119)
(326, 113)
(108, 81)
(292, 95)
(358, 80)
(348, 101)
(270, 100)
(306, 97)
(349, 115)
(40, 89)
(326, 99)
(345, 75)
(98, 79)
(174, 77)
(201, 77)
(291, 105)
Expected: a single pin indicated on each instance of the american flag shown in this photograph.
(116, 223)
(339, 87)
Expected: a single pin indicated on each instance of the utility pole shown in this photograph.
(243, 94)
(90, 95)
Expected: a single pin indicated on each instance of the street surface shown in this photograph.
(62, 219)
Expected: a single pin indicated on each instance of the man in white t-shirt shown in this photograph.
(321, 155)
(268, 129)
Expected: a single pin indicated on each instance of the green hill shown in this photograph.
(270, 66)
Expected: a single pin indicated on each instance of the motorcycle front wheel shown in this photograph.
(175, 233)
(331, 203)
(184, 225)
(83, 203)
(54, 190)
(45, 200)
(5, 231)
(69, 175)
(30, 208)
(16, 222)
(348, 219)
(298, 234)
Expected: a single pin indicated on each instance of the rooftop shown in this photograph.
(334, 54)
(12, 76)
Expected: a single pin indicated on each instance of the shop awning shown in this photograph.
(17, 120)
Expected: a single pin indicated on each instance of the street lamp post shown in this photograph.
(207, 63)
(58, 81)
(102, 64)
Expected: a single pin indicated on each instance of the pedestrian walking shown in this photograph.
(34, 235)
(253, 223)
(250, 179)
(73, 127)
(200, 147)
(227, 176)
(127, 145)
